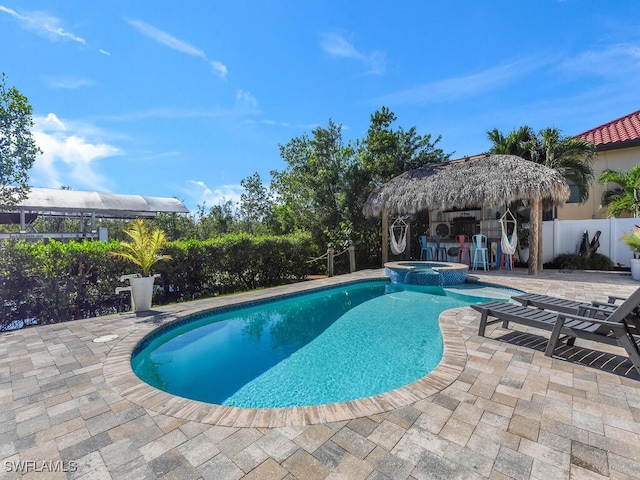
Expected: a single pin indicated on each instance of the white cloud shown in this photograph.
(246, 99)
(68, 158)
(166, 38)
(51, 122)
(465, 86)
(66, 82)
(171, 112)
(298, 126)
(618, 60)
(337, 46)
(201, 194)
(174, 43)
(44, 24)
(219, 69)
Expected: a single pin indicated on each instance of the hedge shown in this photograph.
(53, 282)
(570, 261)
(232, 263)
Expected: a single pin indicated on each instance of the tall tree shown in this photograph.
(386, 153)
(220, 219)
(313, 189)
(256, 206)
(571, 156)
(327, 181)
(18, 149)
(520, 142)
(625, 198)
(176, 225)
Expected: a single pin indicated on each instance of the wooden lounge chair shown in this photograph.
(557, 304)
(618, 327)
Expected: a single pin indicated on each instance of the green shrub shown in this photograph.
(597, 261)
(53, 281)
(570, 261)
(231, 263)
(17, 283)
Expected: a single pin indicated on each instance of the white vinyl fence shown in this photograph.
(564, 236)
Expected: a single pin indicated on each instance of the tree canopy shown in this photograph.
(18, 149)
(625, 198)
(327, 180)
(571, 156)
(321, 190)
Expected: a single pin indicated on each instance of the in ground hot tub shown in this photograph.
(443, 274)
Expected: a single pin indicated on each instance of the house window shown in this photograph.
(574, 196)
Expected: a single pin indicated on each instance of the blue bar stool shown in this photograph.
(426, 252)
(480, 243)
(440, 250)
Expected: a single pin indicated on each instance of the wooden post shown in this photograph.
(385, 237)
(330, 252)
(407, 250)
(540, 238)
(352, 257)
(534, 236)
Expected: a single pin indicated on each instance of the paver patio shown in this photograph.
(495, 408)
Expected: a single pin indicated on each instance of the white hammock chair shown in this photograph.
(398, 246)
(508, 246)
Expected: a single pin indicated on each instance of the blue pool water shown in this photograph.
(334, 345)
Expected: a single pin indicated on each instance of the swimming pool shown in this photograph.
(334, 345)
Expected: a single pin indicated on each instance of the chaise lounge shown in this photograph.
(614, 327)
(557, 304)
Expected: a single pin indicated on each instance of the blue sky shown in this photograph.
(185, 99)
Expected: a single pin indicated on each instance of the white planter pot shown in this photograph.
(635, 268)
(141, 293)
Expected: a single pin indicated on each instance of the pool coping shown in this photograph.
(412, 265)
(119, 375)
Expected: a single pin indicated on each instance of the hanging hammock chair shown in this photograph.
(508, 245)
(398, 245)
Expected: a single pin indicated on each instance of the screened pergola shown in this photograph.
(481, 182)
(81, 204)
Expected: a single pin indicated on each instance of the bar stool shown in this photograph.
(426, 252)
(480, 242)
(462, 249)
(439, 250)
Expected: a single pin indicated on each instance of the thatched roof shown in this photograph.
(491, 180)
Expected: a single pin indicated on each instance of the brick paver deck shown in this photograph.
(496, 407)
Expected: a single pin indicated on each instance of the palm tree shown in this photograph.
(624, 198)
(519, 141)
(571, 156)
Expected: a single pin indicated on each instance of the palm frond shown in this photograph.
(145, 246)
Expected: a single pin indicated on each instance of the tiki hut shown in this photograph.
(482, 182)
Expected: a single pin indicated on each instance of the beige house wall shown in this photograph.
(622, 160)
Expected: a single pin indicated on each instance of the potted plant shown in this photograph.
(633, 240)
(144, 251)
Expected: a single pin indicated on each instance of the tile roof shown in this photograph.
(623, 129)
